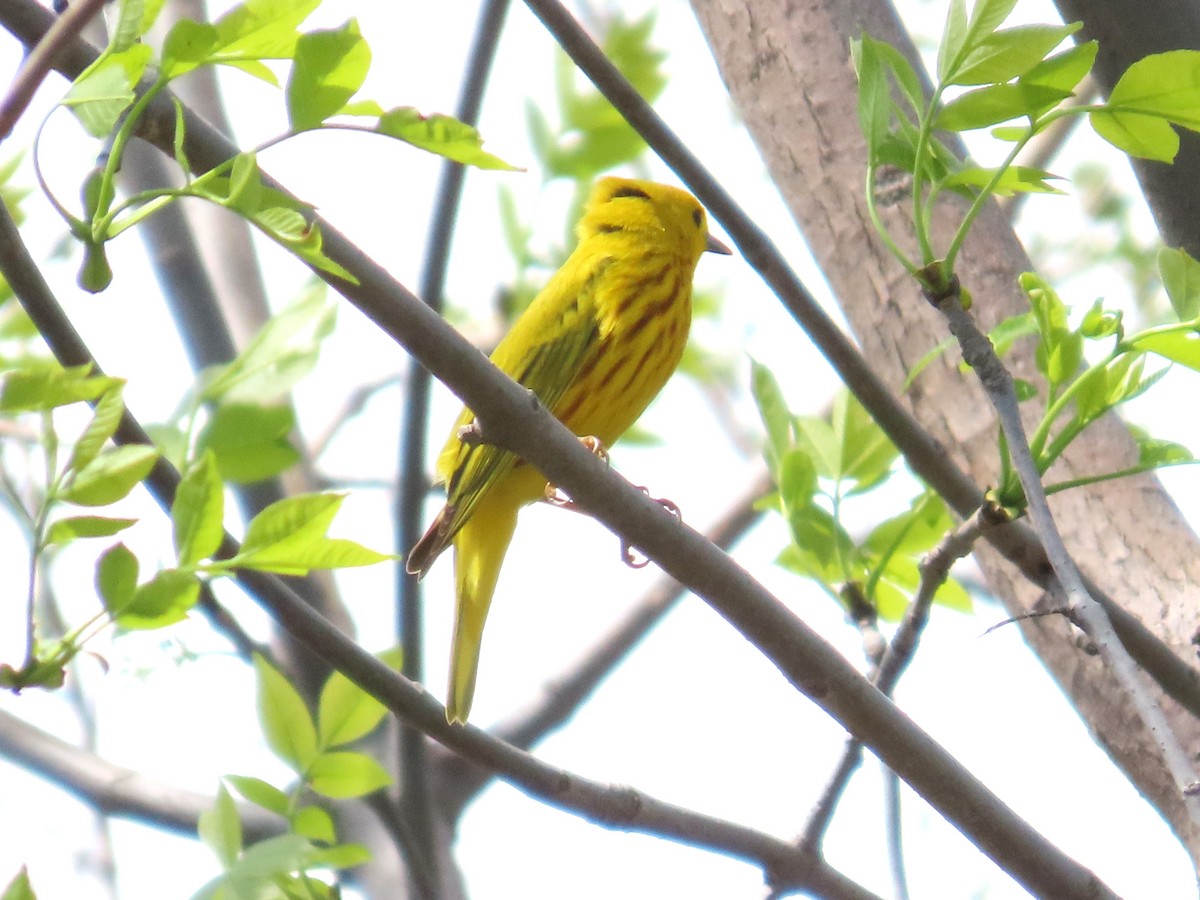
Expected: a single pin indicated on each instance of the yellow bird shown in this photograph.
(595, 346)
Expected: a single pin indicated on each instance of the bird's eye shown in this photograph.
(697, 217)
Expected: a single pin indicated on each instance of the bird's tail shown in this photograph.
(479, 549)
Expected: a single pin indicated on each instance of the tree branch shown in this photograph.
(807, 661)
(116, 791)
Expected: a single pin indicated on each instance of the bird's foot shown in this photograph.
(629, 555)
(554, 496)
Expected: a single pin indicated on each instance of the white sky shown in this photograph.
(696, 716)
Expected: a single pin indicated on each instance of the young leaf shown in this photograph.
(41, 386)
(260, 793)
(1179, 347)
(773, 410)
(163, 600)
(19, 888)
(1156, 90)
(866, 454)
(343, 774)
(198, 513)
(1013, 180)
(1006, 54)
(997, 103)
(65, 530)
(346, 712)
(1181, 279)
(221, 829)
(105, 89)
(262, 29)
(1065, 70)
(105, 419)
(250, 443)
(330, 66)
(296, 520)
(188, 45)
(111, 475)
(286, 722)
(874, 97)
(116, 578)
(300, 557)
(797, 480)
(443, 135)
(315, 824)
(1145, 137)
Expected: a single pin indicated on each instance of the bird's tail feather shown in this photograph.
(479, 549)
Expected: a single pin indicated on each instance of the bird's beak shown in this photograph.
(712, 245)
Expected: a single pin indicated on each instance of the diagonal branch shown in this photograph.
(515, 422)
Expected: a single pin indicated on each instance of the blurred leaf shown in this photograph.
(104, 90)
(260, 793)
(1181, 279)
(874, 95)
(45, 384)
(165, 599)
(19, 888)
(1064, 70)
(116, 578)
(65, 530)
(285, 719)
(343, 774)
(1013, 180)
(1179, 347)
(198, 512)
(444, 135)
(995, 104)
(346, 712)
(329, 68)
(221, 829)
(105, 419)
(315, 824)
(111, 475)
(773, 410)
(250, 443)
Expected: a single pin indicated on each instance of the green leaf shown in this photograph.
(286, 722)
(1099, 323)
(444, 135)
(346, 712)
(299, 520)
(343, 774)
(1013, 180)
(1156, 90)
(819, 546)
(1145, 137)
(163, 600)
(221, 829)
(1153, 452)
(198, 513)
(797, 480)
(903, 73)
(261, 29)
(111, 475)
(954, 36)
(1179, 347)
(106, 89)
(961, 37)
(245, 185)
(66, 530)
(1181, 279)
(912, 532)
(188, 45)
(262, 863)
(250, 443)
(1007, 54)
(261, 793)
(997, 103)
(874, 96)
(774, 412)
(47, 385)
(19, 888)
(866, 454)
(315, 824)
(283, 352)
(343, 856)
(1025, 390)
(116, 578)
(131, 23)
(330, 66)
(1012, 329)
(105, 419)
(294, 558)
(1065, 70)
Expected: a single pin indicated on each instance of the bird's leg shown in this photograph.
(554, 496)
(628, 555)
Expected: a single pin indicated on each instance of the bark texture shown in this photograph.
(788, 68)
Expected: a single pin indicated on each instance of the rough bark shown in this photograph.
(788, 69)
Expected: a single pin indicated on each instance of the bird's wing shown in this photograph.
(543, 352)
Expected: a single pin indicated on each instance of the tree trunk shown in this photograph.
(788, 68)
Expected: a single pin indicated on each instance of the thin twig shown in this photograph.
(42, 59)
(807, 661)
(1089, 615)
(935, 569)
(413, 763)
(924, 456)
(605, 803)
(893, 828)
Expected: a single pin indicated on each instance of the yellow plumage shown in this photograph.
(596, 346)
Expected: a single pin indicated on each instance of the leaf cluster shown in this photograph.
(313, 748)
(820, 463)
(327, 67)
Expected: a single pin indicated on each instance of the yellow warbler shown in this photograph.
(595, 346)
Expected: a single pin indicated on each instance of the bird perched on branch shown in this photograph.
(596, 346)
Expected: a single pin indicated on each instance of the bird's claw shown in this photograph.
(554, 496)
(629, 555)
